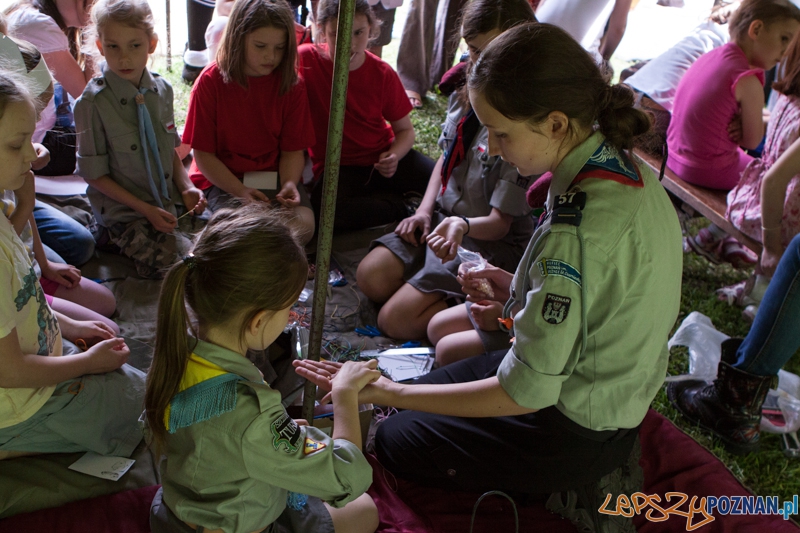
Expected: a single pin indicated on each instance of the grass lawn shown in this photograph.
(767, 472)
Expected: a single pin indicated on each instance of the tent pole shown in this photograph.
(341, 72)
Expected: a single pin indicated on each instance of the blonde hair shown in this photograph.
(246, 17)
(131, 13)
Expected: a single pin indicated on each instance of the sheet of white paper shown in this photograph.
(402, 367)
(261, 180)
(102, 466)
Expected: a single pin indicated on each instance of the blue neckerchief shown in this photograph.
(147, 136)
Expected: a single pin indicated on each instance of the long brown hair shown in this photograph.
(245, 261)
(767, 11)
(789, 84)
(534, 69)
(246, 17)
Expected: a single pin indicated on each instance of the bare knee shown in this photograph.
(446, 322)
(458, 346)
(379, 275)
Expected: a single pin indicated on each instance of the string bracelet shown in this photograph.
(465, 219)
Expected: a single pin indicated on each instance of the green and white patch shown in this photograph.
(285, 434)
(557, 267)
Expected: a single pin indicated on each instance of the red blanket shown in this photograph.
(671, 461)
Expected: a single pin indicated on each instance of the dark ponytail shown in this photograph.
(534, 69)
(618, 120)
(172, 349)
(246, 260)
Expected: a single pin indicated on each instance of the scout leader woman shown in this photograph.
(595, 294)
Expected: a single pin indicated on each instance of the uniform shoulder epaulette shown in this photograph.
(568, 208)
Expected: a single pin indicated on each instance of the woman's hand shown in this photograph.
(162, 220)
(446, 238)
(194, 200)
(407, 228)
(499, 280)
(387, 164)
(65, 275)
(288, 196)
(485, 313)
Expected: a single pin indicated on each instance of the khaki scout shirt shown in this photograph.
(233, 471)
(109, 143)
(625, 280)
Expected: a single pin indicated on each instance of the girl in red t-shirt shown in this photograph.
(248, 114)
(378, 165)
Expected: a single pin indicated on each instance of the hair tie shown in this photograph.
(190, 261)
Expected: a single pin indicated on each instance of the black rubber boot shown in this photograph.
(730, 407)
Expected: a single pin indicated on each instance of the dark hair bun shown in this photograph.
(619, 121)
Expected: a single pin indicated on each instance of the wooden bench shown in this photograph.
(710, 203)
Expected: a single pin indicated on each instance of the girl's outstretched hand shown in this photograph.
(323, 373)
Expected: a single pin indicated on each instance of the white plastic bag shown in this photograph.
(704, 342)
(705, 345)
(473, 262)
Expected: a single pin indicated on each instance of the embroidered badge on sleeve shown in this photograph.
(557, 267)
(555, 308)
(311, 446)
(285, 434)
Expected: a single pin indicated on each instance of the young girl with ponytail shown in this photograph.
(235, 460)
(590, 306)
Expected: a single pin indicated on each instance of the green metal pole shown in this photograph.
(341, 72)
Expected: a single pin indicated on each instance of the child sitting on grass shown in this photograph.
(139, 190)
(235, 460)
(50, 402)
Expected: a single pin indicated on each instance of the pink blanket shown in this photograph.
(671, 461)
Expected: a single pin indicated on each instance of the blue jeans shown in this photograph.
(774, 338)
(69, 239)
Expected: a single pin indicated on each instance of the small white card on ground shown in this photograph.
(261, 180)
(102, 466)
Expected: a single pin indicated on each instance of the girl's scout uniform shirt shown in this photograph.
(480, 183)
(598, 295)
(233, 470)
(109, 143)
